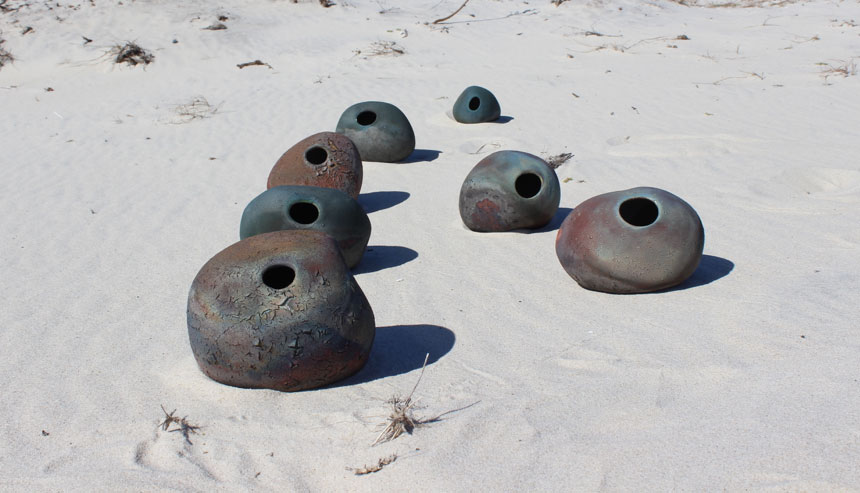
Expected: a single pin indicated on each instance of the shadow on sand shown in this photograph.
(376, 201)
(400, 349)
(378, 257)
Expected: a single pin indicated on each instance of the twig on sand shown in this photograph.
(384, 461)
(437, 21)
(185, 428)
(252, 64)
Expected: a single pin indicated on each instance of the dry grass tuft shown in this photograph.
(131, 54)
(5, 56)
(386, 48)
(402, 420)
(559, 159)
(197, 109)
(842, 68)
(184, 427)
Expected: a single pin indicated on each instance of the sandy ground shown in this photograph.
(120, 182)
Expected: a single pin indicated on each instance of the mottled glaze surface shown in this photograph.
(631, 241)
(326, 159)
(509, 190)
(381, 131)
(322, 209)
(315, 330)
(476, 105)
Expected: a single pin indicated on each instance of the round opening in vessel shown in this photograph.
(304, 212)
(474, 103)
(528, 185)
(316, 155)
(639, 211)
(366, 118)
(278, 276)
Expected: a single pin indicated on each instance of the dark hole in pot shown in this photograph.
(316, 155)
(304, 212)
(278, 276)
(639, 211)
(474, 103)
(528, 185)
(366, 118)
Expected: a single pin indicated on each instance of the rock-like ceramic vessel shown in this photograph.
(326, 159)
(322, 209)
(279, 311)
(509, 190)
(631, 241)
(476, 105)
(380, 131)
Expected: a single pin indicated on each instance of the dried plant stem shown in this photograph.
(437, 21)
(360, 471)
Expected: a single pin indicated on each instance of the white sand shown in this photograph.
(746, 378)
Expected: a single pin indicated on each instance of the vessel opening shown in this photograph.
(278, 276)
(528, 185)
(316, 155)
(639, 211)
(366, 118)
(474, 103)
(304, 212)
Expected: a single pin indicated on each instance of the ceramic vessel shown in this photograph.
(380, 131)
(322, 209)
(279, 311)
(631, 241)
(509, 190)
(326, 159)
(476, 105)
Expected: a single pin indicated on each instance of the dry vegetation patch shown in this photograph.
(840, 68)
(198, 108)
(131, 54)
(183, 426)
(5, 56)
(743, 4)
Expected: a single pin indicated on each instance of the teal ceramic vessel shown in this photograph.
(298, 207)
(279, 311)
(476, 105)
(509, 190)
(631, 241)
(380, 131)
